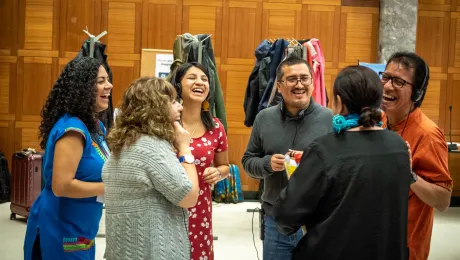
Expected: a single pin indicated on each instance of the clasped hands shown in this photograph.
(212, 175)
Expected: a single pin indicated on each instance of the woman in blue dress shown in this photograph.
(64, 220)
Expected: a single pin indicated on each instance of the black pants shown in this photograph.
(36, 250)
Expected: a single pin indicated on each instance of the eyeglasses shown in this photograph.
(291, 82)
(395, 81)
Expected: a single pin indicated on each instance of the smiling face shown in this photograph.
(397, 95)
(296, 87)
(104, 88)
(195, 85)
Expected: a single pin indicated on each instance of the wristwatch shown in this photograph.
(414, 177)
(188, 158)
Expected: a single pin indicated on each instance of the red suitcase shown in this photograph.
(26, 181)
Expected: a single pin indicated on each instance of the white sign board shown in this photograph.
(163, 64)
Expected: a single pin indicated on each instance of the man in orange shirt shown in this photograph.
(405, 82)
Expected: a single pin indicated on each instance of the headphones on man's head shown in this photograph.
(417, 95)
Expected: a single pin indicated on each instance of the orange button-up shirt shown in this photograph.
(430, 162)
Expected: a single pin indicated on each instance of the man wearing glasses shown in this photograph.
(405, 82)
(288, 127)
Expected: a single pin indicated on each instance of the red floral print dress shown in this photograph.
(200, 216)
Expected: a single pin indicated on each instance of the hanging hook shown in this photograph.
(87, 32)
(296, 41)
(206, 38)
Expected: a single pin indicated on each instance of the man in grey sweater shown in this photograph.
(289, 126)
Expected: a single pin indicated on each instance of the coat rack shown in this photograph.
(93, 39)
(200, 49)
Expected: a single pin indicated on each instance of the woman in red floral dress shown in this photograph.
(208, 146)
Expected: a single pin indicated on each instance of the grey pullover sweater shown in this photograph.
(274, 132)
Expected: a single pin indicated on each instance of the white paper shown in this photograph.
(163, 65)
(115, 114)
(100, 199)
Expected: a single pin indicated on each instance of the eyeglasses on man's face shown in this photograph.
(395, 81)
(293, 81)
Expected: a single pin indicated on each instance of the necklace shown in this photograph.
(191, 135)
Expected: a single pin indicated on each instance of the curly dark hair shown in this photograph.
(74, 93)
(145, 110)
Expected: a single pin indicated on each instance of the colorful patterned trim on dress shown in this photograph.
(76, 130)
(77, 244)
(103, 156)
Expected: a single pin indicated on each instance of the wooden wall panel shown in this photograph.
(235, 77)
(453, 94)
(329, 82)
(361, 3)
(161, 23)
(434, 5)
(454, 50)
(5, 73)
(433, 29)
(358, 35)
(124, 72)
(7, 139)
(26, 135)
(281, 20)
(241, 31)
(123, 26)
(453, 70)
(234, 96)
(8, 28)
(74, 17)
(204, 17)
(322, 2)
(38, 33)
(323, 22)
(34, 91)
(431, 103)
(433, 38)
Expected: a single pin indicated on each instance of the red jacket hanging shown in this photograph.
(316, 59)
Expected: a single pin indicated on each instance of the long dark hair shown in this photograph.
(73, 93)
(361, 93)
(206, 116)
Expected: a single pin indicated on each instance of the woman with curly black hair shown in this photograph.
(64, 220)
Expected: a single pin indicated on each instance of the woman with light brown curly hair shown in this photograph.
(148, 187)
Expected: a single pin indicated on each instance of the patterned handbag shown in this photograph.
(229, 190)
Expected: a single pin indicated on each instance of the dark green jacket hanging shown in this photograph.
(186, 49)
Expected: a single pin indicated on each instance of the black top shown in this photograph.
(351, 191)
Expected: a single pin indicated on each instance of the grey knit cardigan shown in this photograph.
(143, 186)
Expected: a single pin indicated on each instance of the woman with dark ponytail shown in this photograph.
(351, 188)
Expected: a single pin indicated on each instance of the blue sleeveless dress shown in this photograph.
(67, 227)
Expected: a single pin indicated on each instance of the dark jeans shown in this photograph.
(278, 246)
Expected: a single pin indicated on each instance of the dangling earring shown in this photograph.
(205, 106)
